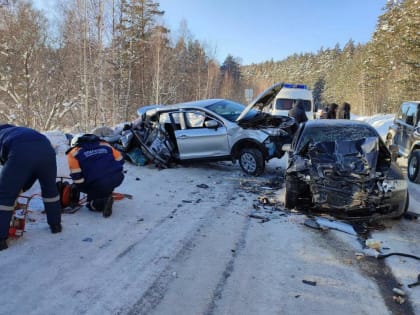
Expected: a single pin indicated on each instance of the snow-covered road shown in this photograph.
(182, 247)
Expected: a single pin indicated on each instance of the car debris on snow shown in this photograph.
(374, 244)
(398, 299)
(266, 216)
(323, 223)
(398, 291)
(313, 283)
(414, 284)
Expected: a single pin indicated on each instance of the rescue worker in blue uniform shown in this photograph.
(26, 156)
(97, 169)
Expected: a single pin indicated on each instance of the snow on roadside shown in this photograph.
(381, 122)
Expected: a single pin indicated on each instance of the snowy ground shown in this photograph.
(180, 247)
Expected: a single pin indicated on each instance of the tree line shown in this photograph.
(106, 58)
(374, 77)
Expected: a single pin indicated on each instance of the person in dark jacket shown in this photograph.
(332, 112)
(97, 169)
(344, 111)
(298, 112)
(26, 156)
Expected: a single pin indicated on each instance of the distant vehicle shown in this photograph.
(214, 130)
(343, 167)
(404, 134)
(286, 97)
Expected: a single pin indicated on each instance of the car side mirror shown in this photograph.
(417, 131)
(212, 124)
(287, 147)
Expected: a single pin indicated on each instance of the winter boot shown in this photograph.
(107, 211)
(94, 205)
(3, 244)
(98, 204)
(56, 228)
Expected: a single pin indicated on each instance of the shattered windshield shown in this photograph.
(230, 110)
(329, 133)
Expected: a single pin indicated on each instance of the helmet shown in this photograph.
(83, 138)
(75, 140)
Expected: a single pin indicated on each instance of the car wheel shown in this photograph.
(413, 171)
(405, 209)
(291, 194)
(297, 194)
(251, 161)
(407, 204)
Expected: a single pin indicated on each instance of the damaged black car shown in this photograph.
(343, 167)
(214, 130)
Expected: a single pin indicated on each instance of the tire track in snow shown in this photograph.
(218, 292)
(155, 293)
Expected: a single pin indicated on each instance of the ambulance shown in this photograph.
(286, 97)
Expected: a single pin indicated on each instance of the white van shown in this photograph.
(285, 99)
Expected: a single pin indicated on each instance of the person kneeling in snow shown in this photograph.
(27, 156)
(96, 168)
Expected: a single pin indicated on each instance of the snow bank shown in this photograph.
(381, 122)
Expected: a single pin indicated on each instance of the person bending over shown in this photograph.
(97, 169)
(26, 156)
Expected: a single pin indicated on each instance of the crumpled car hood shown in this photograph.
(262, 100)
(354, 159)
(346, 175)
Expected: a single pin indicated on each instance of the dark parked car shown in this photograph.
(215, 130)
(404, 133)
(344, 168)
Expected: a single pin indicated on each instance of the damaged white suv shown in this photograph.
(214, 130)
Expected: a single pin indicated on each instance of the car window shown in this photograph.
(328, 134)
(194, 119)
(164, 118)
(402, 113)
(287, 104)
(228, 109)
(284, 104)
(411, 114)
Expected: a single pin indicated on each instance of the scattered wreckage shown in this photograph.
(344, 168)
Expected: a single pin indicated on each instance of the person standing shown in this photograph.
(344, 111)
(97, 169)
(298, 112)
(332, 112)
(26, 156)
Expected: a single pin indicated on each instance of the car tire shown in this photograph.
(291, 194)
(413, 167)
(252, 161)
(406, 205)
(297, 194)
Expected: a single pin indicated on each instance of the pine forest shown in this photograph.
(107, 58)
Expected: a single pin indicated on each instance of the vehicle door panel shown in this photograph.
(196, 141)
(399, 123)
(408, 128)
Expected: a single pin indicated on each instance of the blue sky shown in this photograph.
(261, 30)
